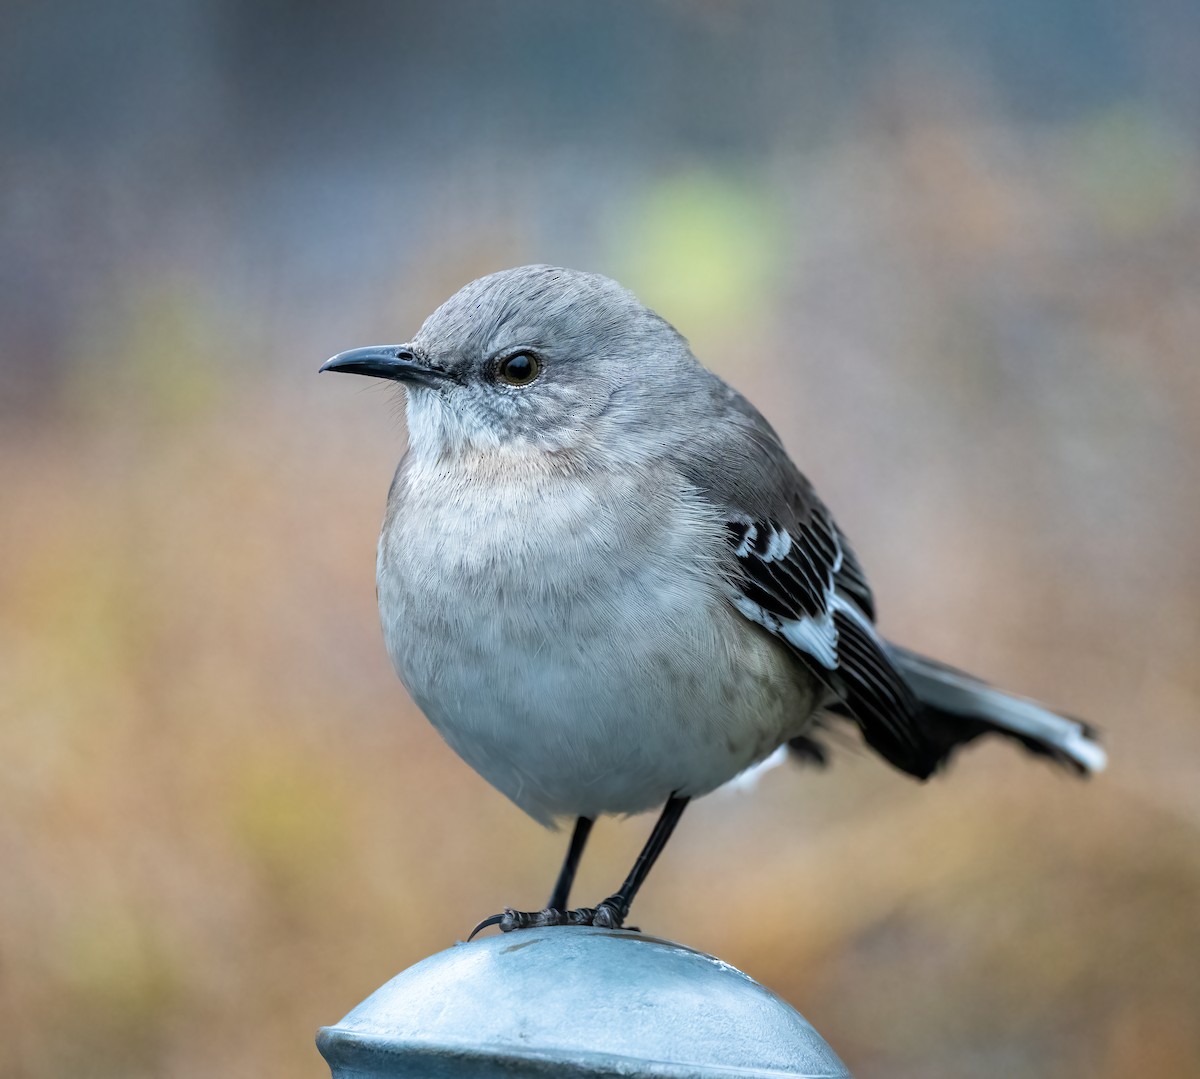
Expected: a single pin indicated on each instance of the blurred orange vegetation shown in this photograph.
(222, 823)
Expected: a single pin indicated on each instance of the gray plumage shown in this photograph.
(609, 583)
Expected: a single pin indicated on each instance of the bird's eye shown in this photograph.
(519, 369)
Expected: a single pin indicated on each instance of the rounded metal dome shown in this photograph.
(572, 1002)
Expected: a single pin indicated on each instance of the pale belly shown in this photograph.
(577, 678)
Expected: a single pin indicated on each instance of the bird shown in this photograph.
(606, 584)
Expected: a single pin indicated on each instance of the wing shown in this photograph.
(797, 577)
(791, 571)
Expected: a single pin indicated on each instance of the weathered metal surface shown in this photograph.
(573, 1003)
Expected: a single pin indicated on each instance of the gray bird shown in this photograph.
(608, 587)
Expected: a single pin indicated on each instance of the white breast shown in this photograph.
(570, 638)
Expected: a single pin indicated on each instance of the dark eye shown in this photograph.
(519, 369)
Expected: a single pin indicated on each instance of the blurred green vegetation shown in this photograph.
(221, 821)
(702, 249)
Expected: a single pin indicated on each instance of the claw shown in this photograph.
(495, 919)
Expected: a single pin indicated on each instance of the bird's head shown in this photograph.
(537, 358)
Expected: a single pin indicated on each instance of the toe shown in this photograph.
(608, 916)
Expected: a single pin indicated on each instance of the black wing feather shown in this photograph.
(802, 581)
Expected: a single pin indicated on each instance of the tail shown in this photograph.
(958, 708)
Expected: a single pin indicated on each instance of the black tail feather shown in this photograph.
(957, 708)
(952, 709)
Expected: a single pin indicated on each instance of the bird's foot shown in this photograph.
(608, 915)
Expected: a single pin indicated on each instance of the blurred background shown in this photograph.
(952, 250)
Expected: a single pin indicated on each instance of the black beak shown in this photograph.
(397, 362)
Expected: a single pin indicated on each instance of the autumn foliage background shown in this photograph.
(952, 251)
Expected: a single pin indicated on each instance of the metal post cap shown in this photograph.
(575, 1002)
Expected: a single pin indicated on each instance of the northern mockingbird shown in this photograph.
(607, 585)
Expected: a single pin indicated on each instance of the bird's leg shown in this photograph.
(556, 912)
(611, 913)
(566, 876)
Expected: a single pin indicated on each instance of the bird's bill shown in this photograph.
(396, 362)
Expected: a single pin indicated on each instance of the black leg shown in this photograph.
(566, 876)
(613, 911)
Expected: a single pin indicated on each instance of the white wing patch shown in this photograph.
(815, 635)
(743, 549)
(780, 545)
